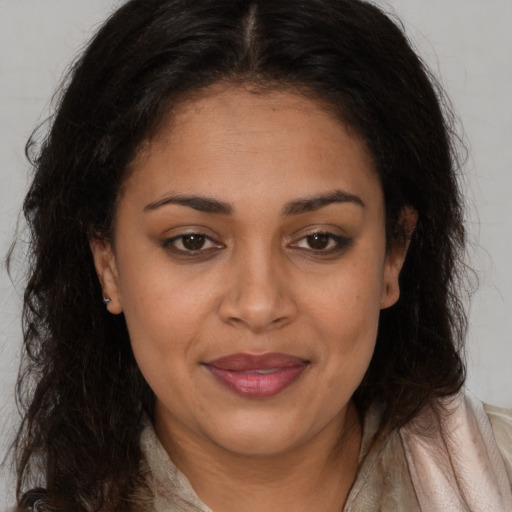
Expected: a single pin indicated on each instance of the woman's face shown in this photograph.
(250, 263)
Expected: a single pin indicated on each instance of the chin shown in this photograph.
(259, 435)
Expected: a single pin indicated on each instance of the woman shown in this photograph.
(246, 259)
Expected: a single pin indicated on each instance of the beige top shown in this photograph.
(406, 471)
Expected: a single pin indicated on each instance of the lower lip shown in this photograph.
(257, 385)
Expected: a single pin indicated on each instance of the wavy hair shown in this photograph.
(82, 395)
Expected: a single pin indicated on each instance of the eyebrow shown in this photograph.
(295, 207)
(200, 203)
(314, 203)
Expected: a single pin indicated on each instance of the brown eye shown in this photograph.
(323, 243)
(318, 241)
(193, 242)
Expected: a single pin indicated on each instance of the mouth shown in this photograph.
(257, 376)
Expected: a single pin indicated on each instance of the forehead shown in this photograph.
(238, 141)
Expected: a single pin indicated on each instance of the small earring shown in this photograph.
(106, 301)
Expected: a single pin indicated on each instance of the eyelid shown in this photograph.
(173, 239)
(343, 242)
(168, 242)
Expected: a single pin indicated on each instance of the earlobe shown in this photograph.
(106, 269)
(396, 257)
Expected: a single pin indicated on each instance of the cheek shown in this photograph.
(163, 324)
(348, 301)
(166, 309)
(156, 294)
(345, 310)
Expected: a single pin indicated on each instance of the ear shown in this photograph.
(396, 256)
(106, 268)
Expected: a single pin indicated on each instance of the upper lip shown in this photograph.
(247, 362)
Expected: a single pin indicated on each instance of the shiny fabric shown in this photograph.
(454, 460)
(458, 461)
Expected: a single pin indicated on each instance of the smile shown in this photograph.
(260, 376)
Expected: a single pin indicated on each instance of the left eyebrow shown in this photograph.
(314, 203)
(200, 203)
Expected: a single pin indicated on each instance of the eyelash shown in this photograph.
(169, 244)
(341, 243)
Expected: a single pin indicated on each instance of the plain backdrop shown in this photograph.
(468, 45)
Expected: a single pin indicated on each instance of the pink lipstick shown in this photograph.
(257, 376)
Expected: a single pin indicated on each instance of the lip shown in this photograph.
(257, 376)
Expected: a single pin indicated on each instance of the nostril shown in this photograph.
(257, 318)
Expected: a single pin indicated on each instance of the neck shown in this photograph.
(314, 476)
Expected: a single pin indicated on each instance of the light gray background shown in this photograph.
(467, 42)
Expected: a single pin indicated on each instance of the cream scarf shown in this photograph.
(452, 457)
(454, 460)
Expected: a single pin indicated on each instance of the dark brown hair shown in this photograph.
(82, 394)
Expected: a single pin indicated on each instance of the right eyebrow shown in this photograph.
(200, 203)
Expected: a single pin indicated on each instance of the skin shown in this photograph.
(257, 285)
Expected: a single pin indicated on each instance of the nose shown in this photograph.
(258, 295)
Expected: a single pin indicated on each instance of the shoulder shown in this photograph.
(501, 423)
(454, 448)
